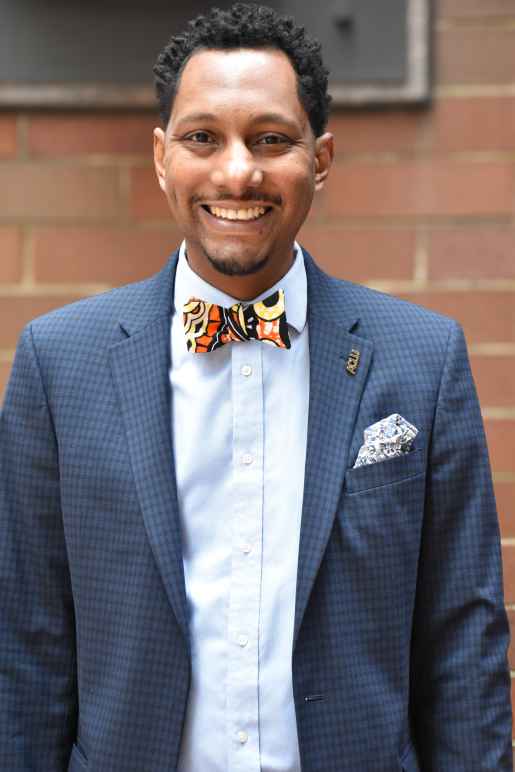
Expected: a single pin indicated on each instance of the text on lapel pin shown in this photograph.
(353, 361)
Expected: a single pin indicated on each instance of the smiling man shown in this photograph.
(247, 513)
(240, 161)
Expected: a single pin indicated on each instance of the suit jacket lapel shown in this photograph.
(140, 365)
(334, 399)
(141, 372)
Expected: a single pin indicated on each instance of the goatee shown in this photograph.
(231, 267)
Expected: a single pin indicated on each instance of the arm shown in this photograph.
(38, 694)
(460, 683)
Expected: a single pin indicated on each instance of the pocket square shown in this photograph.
(391, 436)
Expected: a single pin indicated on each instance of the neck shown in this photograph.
(242, 288)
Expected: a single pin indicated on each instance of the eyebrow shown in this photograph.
(261, 118)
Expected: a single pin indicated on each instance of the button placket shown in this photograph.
(245, 588)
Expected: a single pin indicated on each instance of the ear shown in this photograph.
(324, 152)
(159, 154)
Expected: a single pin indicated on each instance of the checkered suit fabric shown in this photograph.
(399, 659)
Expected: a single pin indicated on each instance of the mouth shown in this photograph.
(242, 215)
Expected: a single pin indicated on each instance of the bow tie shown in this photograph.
(208, 326)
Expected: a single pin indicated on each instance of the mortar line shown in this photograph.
(22, 131)
(52, 290)
(504, 477)
(449, 285)
(465, 90)
(498, 413)
(492, 349)
(421, 260)
(27, 256)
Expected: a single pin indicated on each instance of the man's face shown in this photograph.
(238, 162)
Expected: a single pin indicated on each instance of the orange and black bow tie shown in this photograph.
(208, 326)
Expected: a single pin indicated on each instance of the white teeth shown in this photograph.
(237, 214)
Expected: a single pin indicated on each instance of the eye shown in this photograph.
(200, 137)
(272, 139)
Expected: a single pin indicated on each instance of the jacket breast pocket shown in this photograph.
(387, 472)
(78, 762)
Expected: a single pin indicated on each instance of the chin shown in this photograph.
(233, 265)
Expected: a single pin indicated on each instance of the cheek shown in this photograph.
(299, 190)
(180, 181)
(297, 178)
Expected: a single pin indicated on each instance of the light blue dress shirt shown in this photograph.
(239, 426)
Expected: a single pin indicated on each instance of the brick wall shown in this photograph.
(420, 203)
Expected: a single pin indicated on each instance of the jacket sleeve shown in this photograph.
(38, 693)
(460, 681)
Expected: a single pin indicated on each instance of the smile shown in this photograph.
(252, 213)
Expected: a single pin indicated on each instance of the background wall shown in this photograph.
(420, 204)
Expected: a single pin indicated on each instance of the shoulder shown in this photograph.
(408, 340)
(406, 336)
(378, 316)
(383, 312)
(96, 319)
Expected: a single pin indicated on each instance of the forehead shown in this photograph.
(249, 79)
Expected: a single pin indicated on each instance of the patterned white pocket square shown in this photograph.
(391, 436)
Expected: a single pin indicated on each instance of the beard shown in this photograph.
(229, 266)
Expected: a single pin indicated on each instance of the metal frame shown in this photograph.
(101, 96)
(417, 87)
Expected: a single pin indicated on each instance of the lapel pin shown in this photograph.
(353, 361)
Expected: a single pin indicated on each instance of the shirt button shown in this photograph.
(246, 370)
(247, 458)
(243, 640)
(246, 548)
(243, 737)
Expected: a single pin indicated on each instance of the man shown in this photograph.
(202, 569)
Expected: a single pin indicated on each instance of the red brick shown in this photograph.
(467, 8)
(477, 252)
(508, 564)
(476, 123)
(495, 380)
(475, 54)
(360, 255)
(486, 316)
(10, 254)
(505, 498)
(450, 125)
(5, 370)
(7, 136)
(511, 648)
(114, 134)
(15, 312)
(58, 191)
(108, 255)
(386, 130)
(413, 188)
(501, 445)
(147, 199)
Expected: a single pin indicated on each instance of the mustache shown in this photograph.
(250, 196)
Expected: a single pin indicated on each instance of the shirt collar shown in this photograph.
(294, 283)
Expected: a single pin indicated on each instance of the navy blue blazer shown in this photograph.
(399, 656)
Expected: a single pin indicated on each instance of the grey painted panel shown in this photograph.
(110, 44)
(116, 42)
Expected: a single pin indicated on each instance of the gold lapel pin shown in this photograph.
(353, 361)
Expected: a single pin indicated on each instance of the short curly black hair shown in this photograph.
(247, 26)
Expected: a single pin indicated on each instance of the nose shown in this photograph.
(236, 170)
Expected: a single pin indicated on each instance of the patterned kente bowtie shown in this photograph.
(208, 326)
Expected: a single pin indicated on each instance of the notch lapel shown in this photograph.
(334, 399)
(140, 365)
